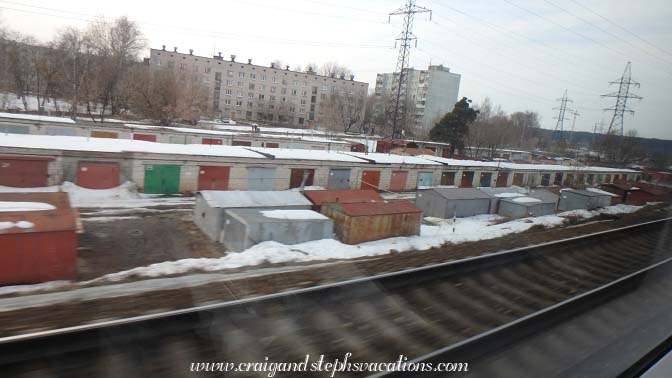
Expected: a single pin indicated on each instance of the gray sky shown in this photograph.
(522, 54)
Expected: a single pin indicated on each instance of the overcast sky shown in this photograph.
(522, 54)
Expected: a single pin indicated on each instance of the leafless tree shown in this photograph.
(311, 67)
(344, 112)
(166, 96)
(334, 69)
(21, 68)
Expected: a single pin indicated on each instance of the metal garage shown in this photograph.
(339, 179)
(300, 177)
(467, 179)
(145, 137)
(213, 177)
(212, 141)
(448, 178)
(448, 202)
(24, 172)
(260, 178)
(162, 178)
(424, 179)
(104, 134)
(98, 175)
(398, 181)
(14, 129)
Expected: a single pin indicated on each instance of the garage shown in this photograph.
(370, 180)
(398, 181)
(213, 178)
(104, 134)
(301, 177)
(24, 172)
(467, 179)
(502, 179)
(162, 178)
(98, 175)
(339, 179)
(425, 179)
(145, 137)
(211, 141)
(260, 178)
(447, 178)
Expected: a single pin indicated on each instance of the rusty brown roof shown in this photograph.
(318, 197)
(63, 218)
(378, 208)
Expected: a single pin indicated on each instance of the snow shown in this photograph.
(634, 188)
(293, 214)
(302, 154)
(526, 200)
(19, 224)
(516, 166)
(24, 206)
(393, 159)
(508, 195)
(600, 191)
(611, 210)
(32, 117)
(125, 195)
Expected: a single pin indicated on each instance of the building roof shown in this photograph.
(377, 208)
(318, 197)
(525, 201)
(276, 216)
(37, 212)
(238, 199)
(458, 193)
(504, 192)
(544, 195)
(587, 193)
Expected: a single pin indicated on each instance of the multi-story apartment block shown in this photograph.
(433, 92)
(246, 91)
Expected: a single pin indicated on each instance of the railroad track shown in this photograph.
(420, 313)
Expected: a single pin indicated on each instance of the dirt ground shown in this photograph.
(124, 243)
(174, 227)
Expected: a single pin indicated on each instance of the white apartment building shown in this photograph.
(246, 91)
(433, 91)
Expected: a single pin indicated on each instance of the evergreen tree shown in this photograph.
(454, 126)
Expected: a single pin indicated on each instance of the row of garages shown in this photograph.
(174, 135)
(163, 174)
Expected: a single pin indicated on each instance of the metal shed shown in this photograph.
(318, 197)
(449, 202)
(497, 194)
(244, 228)
(211, 205)
(572, 199)
(38, 238)
(522, 207)
(545, 195)
(367, 221)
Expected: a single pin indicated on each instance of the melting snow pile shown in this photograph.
(19, 224)
(292, 214)
(24, 206)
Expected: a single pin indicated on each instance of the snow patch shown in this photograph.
(24, 206)
(600, 191)
(509, 195)
(526, 200)
(19, 224)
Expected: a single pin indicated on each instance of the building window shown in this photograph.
(304, 84)
(182, 66)
(250, 104)
(294, 92)
(227, 101)
(240, 94)
(250, 95)
(260, 106)
(261, 96)
(323, 96)
(284, 81)
(158, 62)
(295, 83)
(324, 88)
(275, 80)
(300, 120)
(250, 86)
(207, 70)
(241, 75)
(271, 106)
(272, 98)
(229, 73)
(262, 87)
(253, 76)
(272, 89)
(240, 84)
(229, 83)
(283, 90)
(303, 102)
(292, 110)
(304, 93)
(228, 92)
(263, 77)
(302, 111)
(239, 103)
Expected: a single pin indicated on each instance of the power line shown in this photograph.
(622, 28)
(559, 126)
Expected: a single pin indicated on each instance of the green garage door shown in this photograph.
(162, 179)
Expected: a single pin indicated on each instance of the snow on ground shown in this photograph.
(108, 219)
(32, 117)
(125, 195)
(480, 227)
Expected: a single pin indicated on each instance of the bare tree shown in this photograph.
(75, 54)
(333, 69)
(311, 67)
(21, 69)
(344, 112)
(166, 96)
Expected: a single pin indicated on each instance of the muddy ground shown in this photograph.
(75, 313)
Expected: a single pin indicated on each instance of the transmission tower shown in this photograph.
(562, 109)
(622, 96)
(409, 10)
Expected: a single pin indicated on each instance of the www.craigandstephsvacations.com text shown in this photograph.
(329, 366)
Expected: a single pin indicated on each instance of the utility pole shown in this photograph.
(574, 114)
(403, 60)
(559, 126)
(622, 97)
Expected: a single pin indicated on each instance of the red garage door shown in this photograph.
(24, 172)
(213, 178)
(502, 179)
(98, 175)
(398, 181)
(370, 180)
(298, 176)
(145, 137)
(212, 141)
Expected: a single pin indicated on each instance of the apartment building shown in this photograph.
(250, 92)
(432, 91)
